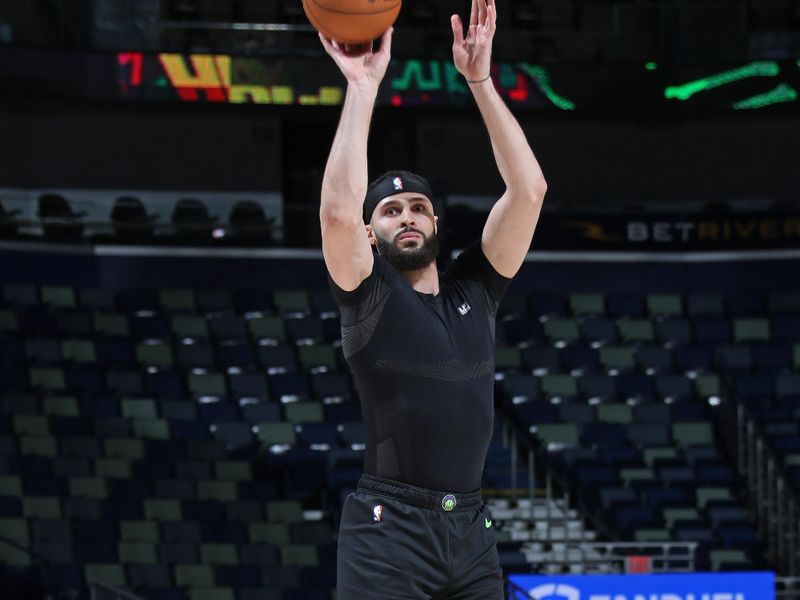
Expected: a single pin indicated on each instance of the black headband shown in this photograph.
(391, 185)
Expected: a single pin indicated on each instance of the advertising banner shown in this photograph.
(690, 586)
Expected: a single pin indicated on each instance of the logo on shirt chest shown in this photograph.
(463, 309)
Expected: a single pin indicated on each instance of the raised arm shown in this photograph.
(509, 228)
(345, 246)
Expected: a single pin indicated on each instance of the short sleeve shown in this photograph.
(361, 293)
(361, 308)
(472, 264)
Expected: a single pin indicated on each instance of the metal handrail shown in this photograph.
(775, 505)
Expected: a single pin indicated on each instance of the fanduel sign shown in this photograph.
(695, 586)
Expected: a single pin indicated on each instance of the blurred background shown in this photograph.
(176, 418)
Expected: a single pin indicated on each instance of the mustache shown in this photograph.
(406, 230)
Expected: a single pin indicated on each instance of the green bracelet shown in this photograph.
(478, 80)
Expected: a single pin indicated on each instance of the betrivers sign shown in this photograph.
(700, 586)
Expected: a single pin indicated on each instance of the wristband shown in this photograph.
(478, 80)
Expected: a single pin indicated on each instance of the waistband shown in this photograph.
(422, 497)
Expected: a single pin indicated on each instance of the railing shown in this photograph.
(104, 591)
(16, 584)
(593, 556)
(774, 505)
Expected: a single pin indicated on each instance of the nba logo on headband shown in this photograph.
(398, 183)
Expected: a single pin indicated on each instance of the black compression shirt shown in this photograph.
(424, 369)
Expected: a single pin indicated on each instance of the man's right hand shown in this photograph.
(366, 68)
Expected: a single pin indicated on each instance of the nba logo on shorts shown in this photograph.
(377, 513)
(398, 183)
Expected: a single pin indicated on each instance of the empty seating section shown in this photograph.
(148, 439)
(183, 443)
(619, 392)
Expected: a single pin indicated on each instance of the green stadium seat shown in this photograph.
(652, 535)
(301, 555)
(561, 331)
(16, 529)
(214, 593)
(46, 378)
(8, 321)
(152, 429)
(292, 301)
(614, 413)
(139, 408)
(267, 328)
(126, 448)
(187, 326)
(221, 491)
(149, 576)
(710, 494)
(507, 358)
(619, 358)
(10, 485)
(587, 304)
(157, 354)
(563, 434)
(162, 509)
(720, 557)
(705, 305)
(88, 487)
(39, 445)
(674, 514)
(137, 553)
(636, 330)
(270, 434)
(139, 531)
(41, 507)
(706, 385)
(58, 296)
(559, 385)
(177, 300)
(14, 557)
(233, 470)
(317, 355)
(651, 455)
(110, 574)
(79, 351)
(194, 576)
(31, 425)
(111, 324)
(219, 554)
(631, 474)
(284, 511)
(304, 412)
(664, 304)
(276, 534)
(693, 434)
(208, 384)
(747, 330)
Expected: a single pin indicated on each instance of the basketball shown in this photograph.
(352, 21)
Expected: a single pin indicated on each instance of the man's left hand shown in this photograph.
(472, 54)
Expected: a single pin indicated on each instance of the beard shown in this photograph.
(410, 259)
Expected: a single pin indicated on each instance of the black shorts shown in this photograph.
(401, 542)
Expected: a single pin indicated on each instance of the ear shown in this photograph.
(435, 225)
(371, 235)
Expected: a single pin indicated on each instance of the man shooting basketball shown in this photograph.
(420, 343)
